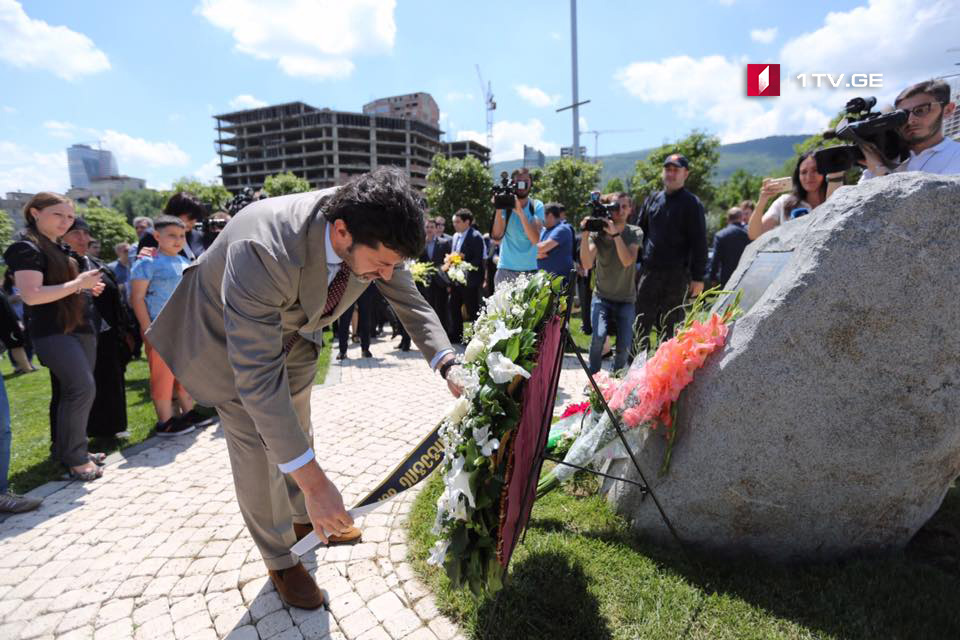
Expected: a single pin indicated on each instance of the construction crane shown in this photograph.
(596, 137)
(489, 105)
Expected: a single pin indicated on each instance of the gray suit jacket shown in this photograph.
(265, 277)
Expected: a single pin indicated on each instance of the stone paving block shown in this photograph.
(274, 623)
(377, 633)
(41, 625)
(244, 633)
(426, 608)
(265, 604)
(190, 585)
(443, 628)
(370, 588)
(228, 620)
(415, 589)
(160, 586)
(345, 604)
(401, 623)
(231, 561)
(192, 625)
(29, 609)
(119, 630)
(156, 627)
(187, 607)
(82, 633)
(76, 618)
(132, 587)
(253, 588)
(421, 634)
(203, 634)
(154, 609)
(224, 601)
(357, 622)
(385, 605)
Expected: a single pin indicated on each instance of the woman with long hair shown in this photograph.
(58, 311)
(810, 189)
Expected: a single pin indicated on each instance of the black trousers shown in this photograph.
(585, 295)
(660, 296)
(364, 305)
(461, 296)
(438, 298)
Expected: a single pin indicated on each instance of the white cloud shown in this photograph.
(554, 35)
(307, 38)
(246, 101)
(509, 138)
(210, 170)
(31, 171)
(8, 109)
(584, 126)
(905, 38)
(137, 150)
(30, 44)
(763, 36)
(58, 129)
(458, 96)
(536, 97)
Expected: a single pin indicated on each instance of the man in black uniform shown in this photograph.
(674, 250)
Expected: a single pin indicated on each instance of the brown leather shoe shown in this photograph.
(297, 587)
(350, 537)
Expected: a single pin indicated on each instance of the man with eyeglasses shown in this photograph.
(928, 104)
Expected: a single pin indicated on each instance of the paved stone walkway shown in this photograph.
(157, 548)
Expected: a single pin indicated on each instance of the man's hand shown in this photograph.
(455, 389)
(97, 289)
(147, 252)
(696, 288)
(873, 159)
(326, 510)
(610, 228)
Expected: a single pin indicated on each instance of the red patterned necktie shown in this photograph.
(336, 289)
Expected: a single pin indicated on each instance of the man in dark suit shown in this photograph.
(435, 252)
(728, 246)
(468, 243)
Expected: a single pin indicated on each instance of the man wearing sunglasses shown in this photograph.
(928, 104)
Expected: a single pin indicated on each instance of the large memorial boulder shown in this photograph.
(830, 422)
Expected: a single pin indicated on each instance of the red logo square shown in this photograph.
(763, 80)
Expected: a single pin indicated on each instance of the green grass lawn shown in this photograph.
(30, 463)
(581, 573)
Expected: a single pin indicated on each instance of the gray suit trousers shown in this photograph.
(270, 501)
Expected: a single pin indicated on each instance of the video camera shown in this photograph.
(863, 125)
(213, 225)
(505, 193)
(599, 213)
(242, 199)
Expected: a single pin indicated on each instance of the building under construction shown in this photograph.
(325, 147)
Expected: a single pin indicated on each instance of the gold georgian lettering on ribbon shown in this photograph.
(416, 466)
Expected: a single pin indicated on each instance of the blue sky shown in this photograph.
(144, 78)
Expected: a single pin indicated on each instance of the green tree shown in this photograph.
(740, 186)
(570, 182)
(214, 194)
(614, 185)
(699, 148)
(455, 183)
(817, 141)
(6, 229)
(140, 202)
(281, 184)
(107, 225)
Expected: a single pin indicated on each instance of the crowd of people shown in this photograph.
(85, 320)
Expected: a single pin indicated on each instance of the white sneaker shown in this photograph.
(123, 435)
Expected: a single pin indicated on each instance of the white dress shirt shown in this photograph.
(942, 159)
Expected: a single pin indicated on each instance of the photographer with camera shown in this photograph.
(609, 242)
(674, 250)
(212, 226)
(927, 104)
(555, 249)
(808, 190)
(517, 222)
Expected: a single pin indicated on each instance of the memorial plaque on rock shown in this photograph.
(756, 278)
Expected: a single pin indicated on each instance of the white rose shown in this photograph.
(458, 409)
(474, 349)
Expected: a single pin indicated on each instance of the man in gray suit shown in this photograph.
(241, 333)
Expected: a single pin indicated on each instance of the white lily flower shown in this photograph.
(502, 369)
(438, 553)
(501, 332)
(458, 481)
(489, 447)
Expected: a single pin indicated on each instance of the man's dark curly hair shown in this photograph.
(380, 208)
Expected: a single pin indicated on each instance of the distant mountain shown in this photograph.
(761, 157)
